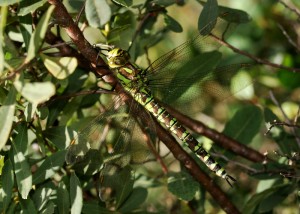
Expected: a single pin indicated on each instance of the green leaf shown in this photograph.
(21, 166)
(90, 164)
(93, 207)
(166, 3)
(245, 124)
(38, 35)
(135, 199)
(49, 209)
(42, 112)
(60, 136)
(264, 199)
(208, 16)
(7, 180)
(42, 197)
(275, 198)
(241, 86)
(265, 184)
(269, 115)
(29, 7)
(8, 2)
(97, 12)
(125, 3)
(232, 15)
(289, 80)
(26, 29)
(75, 194)
(1, 163)
(63, 200)
(119, 181)
(7, 111)
(49, 167)
(30, 111)
(60, 67)
(3, 22)
(182, 185)
(27, 206)
(172, 24)
(36, 92)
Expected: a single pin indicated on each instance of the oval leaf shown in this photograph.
(97, 12)
(172, 24)
(8, 2)
(136, 198)
(245, 124)
(36, 92)
(38, 35)
(75, 194)
(63, 202)
(208, 15)
(60, 67)
(28, 206)
(7, 111)
(183, 186)
(8, 183)
(24, 10)
(49, 167)
(21, 166)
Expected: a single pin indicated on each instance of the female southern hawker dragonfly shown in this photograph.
(175, 72)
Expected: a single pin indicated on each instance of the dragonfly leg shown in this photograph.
(230, 179)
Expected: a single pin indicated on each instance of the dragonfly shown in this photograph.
(144, 86)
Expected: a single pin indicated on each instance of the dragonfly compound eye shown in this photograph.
(117, 58)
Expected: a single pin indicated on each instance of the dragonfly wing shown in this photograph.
(196, 70)
(202, 42)
(193, 65)
(104, 139)
(116, 179)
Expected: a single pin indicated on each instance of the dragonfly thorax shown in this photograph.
(117, 58)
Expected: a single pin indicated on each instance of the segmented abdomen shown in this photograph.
(162, 115)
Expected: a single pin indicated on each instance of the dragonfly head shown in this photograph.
(117, 58)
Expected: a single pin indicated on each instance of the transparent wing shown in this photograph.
(194, 65)
(110, 144)
(116, 181)
(105, 139)
(202, 42)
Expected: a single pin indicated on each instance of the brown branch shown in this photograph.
(89, 53)
(287, 36)
(65, 49)
(223, 140)
(73, 31)
(256, 59)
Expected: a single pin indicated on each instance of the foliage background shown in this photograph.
(35, 132)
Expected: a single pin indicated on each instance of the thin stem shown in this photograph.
(290, 8)
(273, 98)
(81, 93)
(256, 59)
(287, 36)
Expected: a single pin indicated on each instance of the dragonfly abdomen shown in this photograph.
(163, 116)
